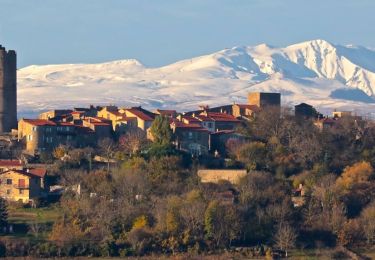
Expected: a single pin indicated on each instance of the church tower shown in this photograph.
(8, 90)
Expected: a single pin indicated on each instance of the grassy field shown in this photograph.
(33, 215)
(32, 223)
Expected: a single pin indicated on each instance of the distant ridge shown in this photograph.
(323, 74)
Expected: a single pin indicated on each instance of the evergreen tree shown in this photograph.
(161, 131)
(3, 213)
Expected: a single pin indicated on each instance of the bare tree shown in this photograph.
(285, 237)
(368, 222)
(133, 141)
(107, 148)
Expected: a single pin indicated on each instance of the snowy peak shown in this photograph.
(316, 71)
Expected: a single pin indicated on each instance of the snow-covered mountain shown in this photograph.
(317, 72)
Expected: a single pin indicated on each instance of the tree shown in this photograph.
(107, 147)
(285, 237)
(221, 223)
(133, 141)
(253, 155)
(367, 221)
(60, 151)
(161, 131)
(357, 173)
(3, 213)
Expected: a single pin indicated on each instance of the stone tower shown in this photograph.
(8, 90)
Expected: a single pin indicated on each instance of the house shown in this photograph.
(120, 122)
(214, 122)
(41, 135)
(90, 111)
(244, 110)
(217, 175)
(167, 113)
(192, 138)
(37, 134)
(339, 114)
(54, 113)
(102, 127)
(304, 110)
(6, 165)
(21, 185)
(219, 139)
(66, 134)
(324, 123)
(144, 117)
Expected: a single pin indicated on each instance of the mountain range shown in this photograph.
(317, 72)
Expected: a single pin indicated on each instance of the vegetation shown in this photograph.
(152, 201)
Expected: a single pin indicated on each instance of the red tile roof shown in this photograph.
(190, 119)
(7, 163)
(65, 124)
(39, 172)
(222, 117)
(190, 127)
(139, 114)
(77, 112)
(39, 122)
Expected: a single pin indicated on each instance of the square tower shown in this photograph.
(262, 99)
(8, 90)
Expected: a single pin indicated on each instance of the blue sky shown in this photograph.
(159, 32)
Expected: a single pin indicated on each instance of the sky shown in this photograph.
(160, 32)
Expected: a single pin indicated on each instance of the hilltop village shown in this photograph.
(201, 132)
(240, 180)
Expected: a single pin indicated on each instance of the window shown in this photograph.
(67, 128)
(49, 129)
(9, 181)
(8, 192)
(34, 128)
(21, 191)
(190, 135)
(29, 137)
(49, 139)
(209, 125)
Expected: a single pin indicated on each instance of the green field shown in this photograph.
(32, 223)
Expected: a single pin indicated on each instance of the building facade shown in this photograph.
(8, 90)
(262, 99)
(20, 185)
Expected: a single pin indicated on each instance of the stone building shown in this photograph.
(262, 99)
(8, 90)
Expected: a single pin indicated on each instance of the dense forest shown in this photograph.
(152, 201)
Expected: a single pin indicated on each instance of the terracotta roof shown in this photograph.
(204, 118)
(222, 117)
(139, 114)
(100, 123)
(166, 112)
(190, 127)
(4, 163)
(65, 124)
(190, 118)
(39, 172)
(77, 112)
(39, 122)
